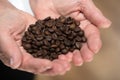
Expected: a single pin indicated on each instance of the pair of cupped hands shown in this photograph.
(13, 24)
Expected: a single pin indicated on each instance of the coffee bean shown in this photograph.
(50, 30)
(83, 39)
(47, 19)
(39, 38)
(77, 29)
(81, 33)
(64, 51)
(78, 38)
(72, 26)
(49, 38)
(54, 36)
(78, 45)
(27, 46)
(62, 19)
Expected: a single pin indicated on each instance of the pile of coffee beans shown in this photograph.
(49, 38)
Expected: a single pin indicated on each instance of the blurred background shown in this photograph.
(106, 64)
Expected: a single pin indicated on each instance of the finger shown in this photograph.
(93, 36)
(69, 56)
(43, 12)
(77, 58)
(34, 65)
(77, 16)
(94, 14)
(11, 55)
(87, 55)
(59, 67)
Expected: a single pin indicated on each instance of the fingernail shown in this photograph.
(79, 64)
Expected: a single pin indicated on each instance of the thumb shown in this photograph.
(10, 54)
(93, 14)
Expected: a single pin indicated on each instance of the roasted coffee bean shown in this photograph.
(62, 19)
(39, 38)
(72, 26)
(54, 36)
(46, 32)
(57, 49)
(49, 38)
(78, 38)
(54, 46)
(61, 38)
(81, 33)
(50, 30)
(77, 29)
(49, 23)
(27, 46)
(47, 19)
(67, 42)
(58, 32)
(64, 51)
(83, 39)
(62, 46)
(69, 20)
(78, 45)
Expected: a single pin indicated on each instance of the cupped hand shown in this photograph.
(13, 24)
(83, 11)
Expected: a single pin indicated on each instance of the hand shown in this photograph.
(84, 11)
(13, 24)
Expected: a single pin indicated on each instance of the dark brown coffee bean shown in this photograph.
(69, 20)
(84, 39)
(34, 46)
(27, 46)
(40, 37)
(78, 45)
(58, 32)
(77, 29)
(67, 42)
(78, 38)
(62, 19)
(61, 38)
(47, 32)
(64, 51)
(34, 50)
(54, 28)
(46, 43)
(54, 46)
(24, 39)
(50, 30)
(57, 42)
(57, 49)
(49, 23)
(62, 46)
(49, 38)
(81, 33)
(47, 19)
(54, 36)
(72, 26)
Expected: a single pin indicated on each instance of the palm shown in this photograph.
(28, 63)
(55, 8)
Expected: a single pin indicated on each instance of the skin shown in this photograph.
(84, 11)
(13, 24)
